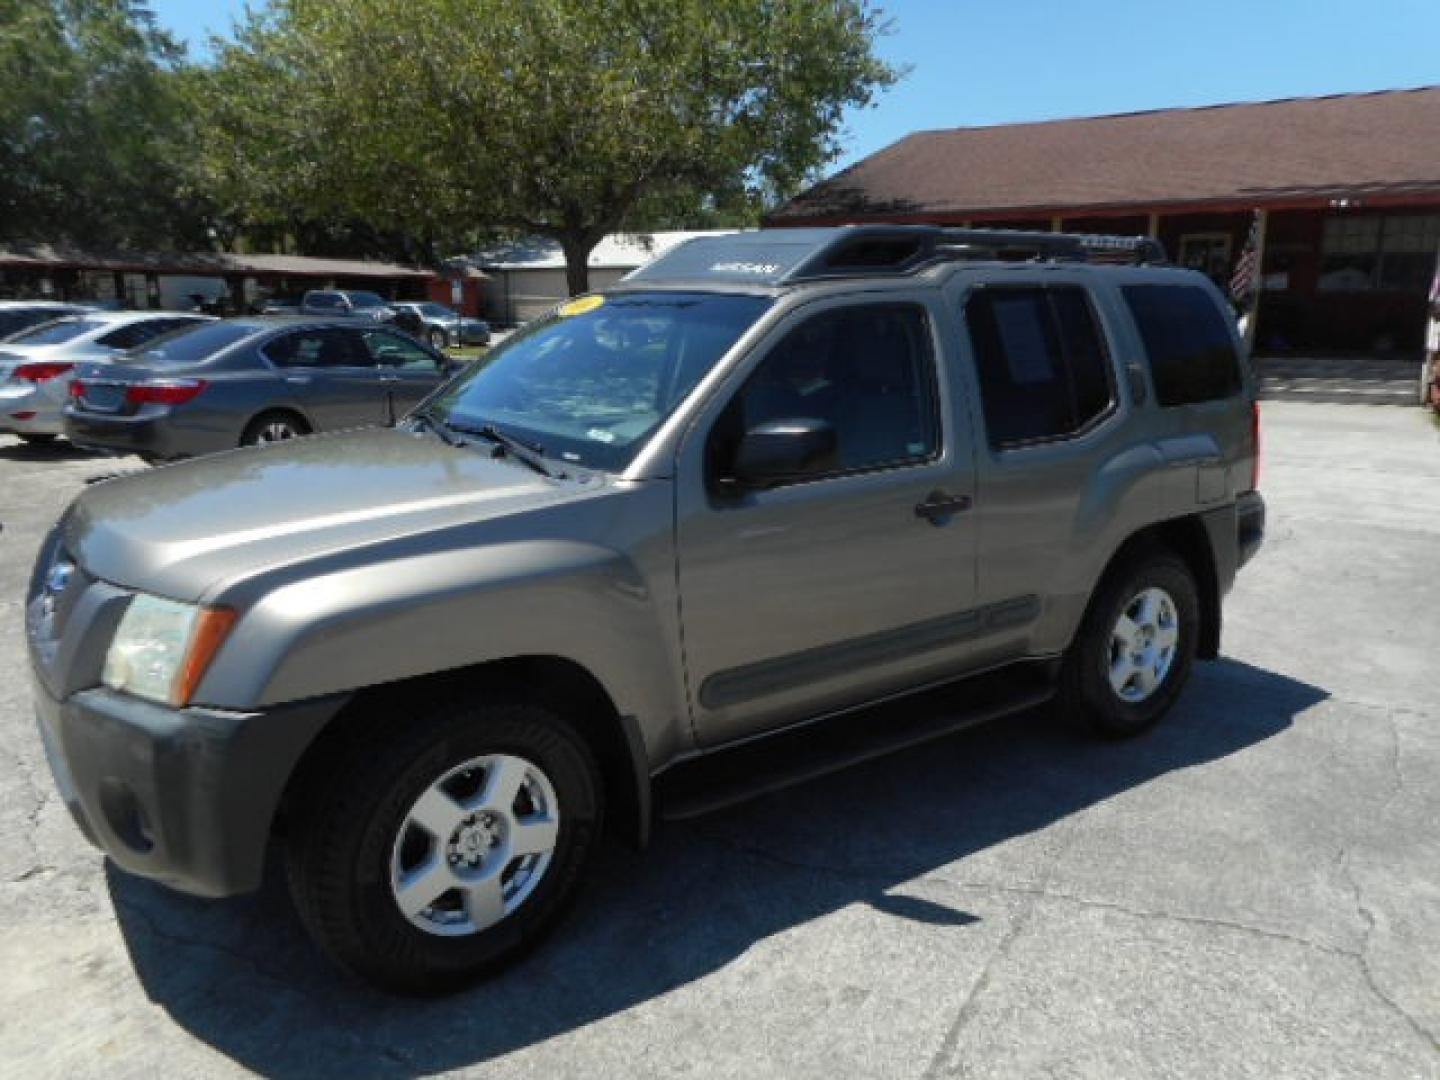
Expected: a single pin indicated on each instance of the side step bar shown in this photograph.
(797, 754)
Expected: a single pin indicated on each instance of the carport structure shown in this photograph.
(141, 279)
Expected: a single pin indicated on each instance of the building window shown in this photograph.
(1207, 252)
(1394, 253)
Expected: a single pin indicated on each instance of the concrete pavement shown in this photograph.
(1253, 890)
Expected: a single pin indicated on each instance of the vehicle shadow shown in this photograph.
(241, 976)
(55, 450)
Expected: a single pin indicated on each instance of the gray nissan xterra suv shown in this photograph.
(769, 478)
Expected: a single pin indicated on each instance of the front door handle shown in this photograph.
(939, 507)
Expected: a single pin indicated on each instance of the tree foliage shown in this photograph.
(562, 118)
(93, 126)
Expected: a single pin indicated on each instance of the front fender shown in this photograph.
(439, 611)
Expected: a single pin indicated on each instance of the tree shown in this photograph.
(560, 118)
(92, 126)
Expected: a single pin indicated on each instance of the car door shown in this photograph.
(822, 594)
(329, 374)
(408, 371)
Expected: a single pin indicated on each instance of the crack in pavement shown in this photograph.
(1042, 892)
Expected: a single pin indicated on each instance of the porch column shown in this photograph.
(1152, 229)
(1262, 219)
(1057, 224)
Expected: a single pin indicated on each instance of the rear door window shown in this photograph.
(1187, 340)
(1041, 361)
(323, 347)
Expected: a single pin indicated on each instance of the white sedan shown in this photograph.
(36, 365)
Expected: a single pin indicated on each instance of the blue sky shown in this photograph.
(1004, 61)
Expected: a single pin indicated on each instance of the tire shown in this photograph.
(1102, 686)
(1427, 382)
(355, 843)
(273, 427)
(439, 339)
(38, 438)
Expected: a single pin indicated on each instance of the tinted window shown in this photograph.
(594, 380)
(324, 347)
(436, 311)
(324, 301)
(57, 332)
(192, 342)
(866, 371)
(1041, 362)
(137, 333)
(1187, 339)
(392, 350)
(13, 320)
(366, 300)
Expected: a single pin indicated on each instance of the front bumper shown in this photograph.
(185, 796)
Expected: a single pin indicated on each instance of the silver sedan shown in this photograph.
(36, 365)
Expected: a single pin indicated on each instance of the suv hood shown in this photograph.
(181, 530)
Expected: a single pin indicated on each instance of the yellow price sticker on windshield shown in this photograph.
(581, 305)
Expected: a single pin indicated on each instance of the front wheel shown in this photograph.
(1135, 647)
(431, 857)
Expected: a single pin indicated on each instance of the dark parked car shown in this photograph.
(341, 303)
(440, 325)
(17, 315)
(248, 381)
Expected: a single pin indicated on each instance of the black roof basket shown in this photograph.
(871, 249)
(783, 256)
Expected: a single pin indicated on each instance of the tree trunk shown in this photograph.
(577, 248)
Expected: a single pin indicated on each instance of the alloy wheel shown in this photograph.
(474, 845)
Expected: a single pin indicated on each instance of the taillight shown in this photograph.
(164, 391)
(77, 388)
(41, 371)
(1255, 444)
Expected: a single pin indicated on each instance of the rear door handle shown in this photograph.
(939, 507)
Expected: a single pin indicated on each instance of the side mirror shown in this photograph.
(783, 451)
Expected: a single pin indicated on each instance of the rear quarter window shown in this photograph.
(1187, 341)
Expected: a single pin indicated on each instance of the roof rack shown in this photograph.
(784, 256)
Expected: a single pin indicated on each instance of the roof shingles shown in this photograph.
(1353, 144)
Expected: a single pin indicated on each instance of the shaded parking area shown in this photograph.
(1251, 890)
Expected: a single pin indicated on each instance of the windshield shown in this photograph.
(191, 344)
(54, 333)
(13, 320)
(593, 381)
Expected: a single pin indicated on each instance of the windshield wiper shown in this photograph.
(520, 449)
(439, 427)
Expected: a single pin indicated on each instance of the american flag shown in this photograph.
(1247, 270)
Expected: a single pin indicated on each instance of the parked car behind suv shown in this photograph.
(440, 325)
(36, 365)
(244, 382)
(18, 315)
(339, 304)
(770, 478)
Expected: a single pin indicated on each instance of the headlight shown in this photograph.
(162, 648)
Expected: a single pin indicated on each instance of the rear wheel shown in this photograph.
(430, 856)
(273, 427)
(1135, 647)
